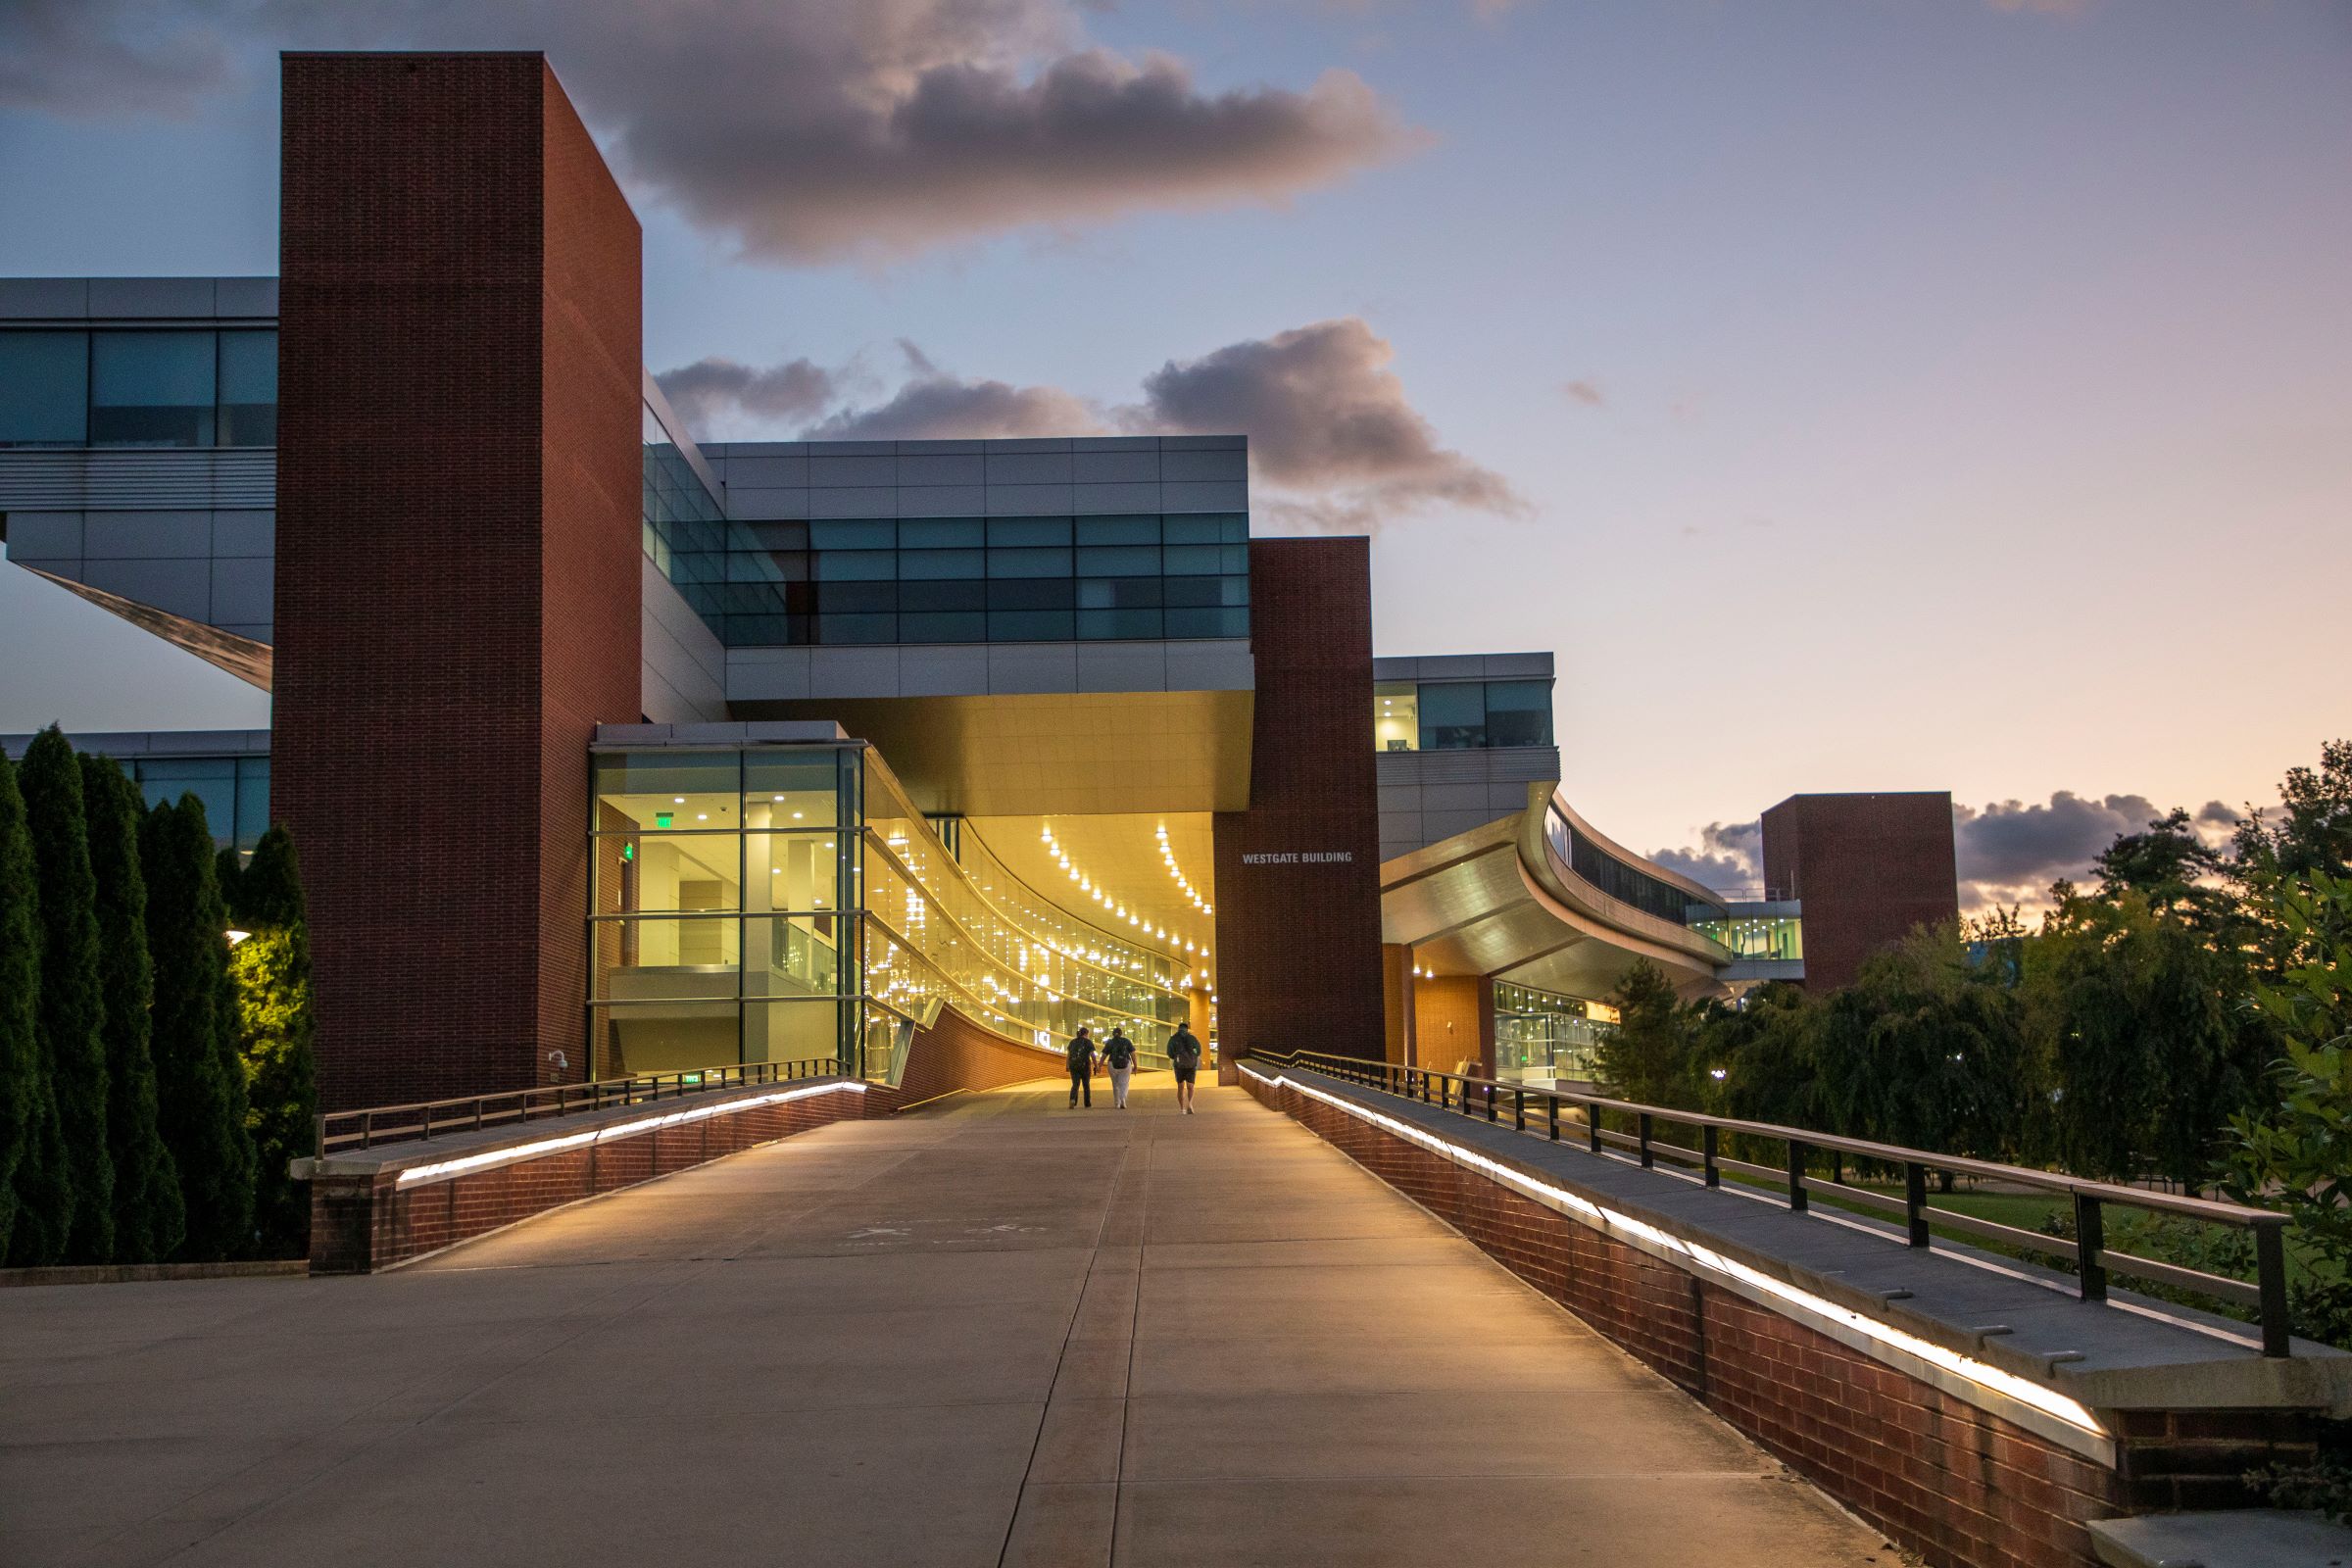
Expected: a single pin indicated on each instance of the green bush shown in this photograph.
(21, 1090)
(272, 970)
(200, 1083)
(149, 1219)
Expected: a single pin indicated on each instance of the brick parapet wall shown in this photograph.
(954, 1053)
(366, 1223)
(1954, 1483)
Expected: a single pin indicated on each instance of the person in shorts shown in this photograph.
(1183, 1055)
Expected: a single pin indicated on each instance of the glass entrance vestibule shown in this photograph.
(786, 903)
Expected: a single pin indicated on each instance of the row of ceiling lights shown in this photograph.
(1119, 911)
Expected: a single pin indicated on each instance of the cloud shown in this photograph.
(2011, 852)
(1334, 441)
(717, 391)
(941, 406)
(1729, 856)
(1330, 427)
(805, 132)
(1588, 393)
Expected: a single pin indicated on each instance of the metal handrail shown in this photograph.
(422, 1119)
(2091, 1258)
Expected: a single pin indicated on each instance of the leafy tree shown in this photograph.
(200, 1083)
(1767, 1051)
(1648, 1057)
(2298, 1155)
(149, 1219)
(275, 1034)
(23, 1093)
(2314, 831)
(1926, 1051)
(2172, 871)
(71, 1010)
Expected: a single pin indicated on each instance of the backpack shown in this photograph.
(1184, 1049)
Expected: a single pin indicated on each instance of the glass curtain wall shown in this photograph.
(1779, 938)
(1542, 1037)
(138, 388)
(787, 904)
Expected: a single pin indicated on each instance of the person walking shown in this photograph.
(1120, 1052)
(1081, 1057)
(1184, 1055)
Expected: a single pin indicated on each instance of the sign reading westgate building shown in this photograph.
(1300, 858)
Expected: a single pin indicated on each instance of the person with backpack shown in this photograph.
(1081, 1057)
(1184, 1055)
(1120, 1052)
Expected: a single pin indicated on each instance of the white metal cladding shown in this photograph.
(138, 480)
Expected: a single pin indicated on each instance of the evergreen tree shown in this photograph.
(21, 1091)
(72, 1010)
(276, 1032)
(200, 1084)
(1648, 1058)
(148, 1217)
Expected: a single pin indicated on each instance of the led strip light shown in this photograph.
(2070, 1414)
(489, 1158)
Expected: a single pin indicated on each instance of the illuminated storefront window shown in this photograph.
(1543, 1037)
(786, 903)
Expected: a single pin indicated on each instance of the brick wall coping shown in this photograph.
(2225, 1537)
(1978, 1326)
(425, 1161)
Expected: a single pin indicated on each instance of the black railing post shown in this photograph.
(1519, 1111)
(428, 1123)
(1490, 1102)
(1592, 1128)
(1798, 1200)
(367, 1128)
(1915, 1204)
(2091, 1247)
(2270, 1272)
(1706, 1143)
(319, 1130)
(1552, 1117)
(1646, 1157)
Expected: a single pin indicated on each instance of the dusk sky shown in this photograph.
(1853, 395)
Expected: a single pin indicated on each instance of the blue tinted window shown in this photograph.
(1123, 593)
(1518, 713)
(1208, 622)
(1188, 561)
(1031, 593)
(1118, 561)
(953, 595)
(857, 628)
(860, 533)
(1028, 563)
(1029, 625)
(151, 389)
(942, 564)
(1195, 530)
(1118, 624)
(942, 533)
(1118, 530)
(945, 626)
(248, 408)
(836, 597)
(1453, 715)
(44, 388)
(863, 566)
(1028, 530)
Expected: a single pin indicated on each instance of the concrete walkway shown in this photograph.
(995, 1333)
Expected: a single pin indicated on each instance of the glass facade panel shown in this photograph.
(660, 791)
(1397, 715)
(44, 389)
(1453, 715)
(153, 389)
(1543, 1037)
(669, 959)
(248, 390)
(794, 789)
(1518, 713)
(234, 792)
(1621, 880)
(1779, 938)
(668, 872)
(666, 1037)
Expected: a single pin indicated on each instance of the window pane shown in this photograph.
(1111, 624)
(1118, 530)
(792, 1031)
(1128, 593)
(942, 533)
(664, 1038)
(1188, 561)
(763, 631)
(1118, 561)
(661, 790)
(791, 789)
(151, 389)
(930, 564)
(1032, 593)
(952, 595)
(212, 780)
(870, 565)
(857, 533)
(795, 871)
(1029, 626)
(1195, 529)
(1397, 715)
(1028, 530)
(859, 598)
(667, 959)
(793, 957)
(781, 535)
(667, 872)
(944, 626)
(1208, 622)
(248, 389)
(1028, 563)
(1518, 713)
(44, 388)
(1453, 715)
(252, 800)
